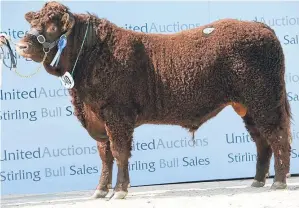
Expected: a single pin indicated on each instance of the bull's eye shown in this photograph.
(52, 29)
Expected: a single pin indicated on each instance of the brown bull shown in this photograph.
(123, 79)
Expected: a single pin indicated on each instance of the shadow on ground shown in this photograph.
(145, 193)
(210, 192)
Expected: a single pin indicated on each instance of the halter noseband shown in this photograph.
(42, 40)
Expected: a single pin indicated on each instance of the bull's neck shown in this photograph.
(73, 54)
(99, 35)
(82, 39)
(90, 33)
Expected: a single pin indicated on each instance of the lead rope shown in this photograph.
(13, 59)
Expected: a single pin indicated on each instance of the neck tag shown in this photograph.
(67, 80)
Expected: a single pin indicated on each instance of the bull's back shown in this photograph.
(195, 71)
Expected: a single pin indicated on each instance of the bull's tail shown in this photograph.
(288, 108)
(289, 116)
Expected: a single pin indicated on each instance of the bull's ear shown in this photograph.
(29, 16)
(68, 21)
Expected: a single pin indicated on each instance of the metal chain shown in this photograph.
(38, 69)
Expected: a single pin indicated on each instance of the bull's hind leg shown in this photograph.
(279, 141)
(273, 123)
(264, 152)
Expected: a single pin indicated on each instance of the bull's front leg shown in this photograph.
(105, 182)
(120, 127)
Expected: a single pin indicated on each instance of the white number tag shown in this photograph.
(208, 30)
(67, 80)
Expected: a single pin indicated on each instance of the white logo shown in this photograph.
(208, 30)
(67, 80)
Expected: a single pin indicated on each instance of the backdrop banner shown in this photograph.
(44, 149)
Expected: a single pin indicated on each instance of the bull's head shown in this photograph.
(47, 26)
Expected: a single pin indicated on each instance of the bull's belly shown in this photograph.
(190, 118)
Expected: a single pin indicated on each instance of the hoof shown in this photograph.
(257, 184)
(109, 186)
(120, 195)
(279, 185)
(99, 194)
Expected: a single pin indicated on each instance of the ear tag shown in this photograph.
(67, 80)
(61, 45)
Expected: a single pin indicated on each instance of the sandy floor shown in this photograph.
(235, 194)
